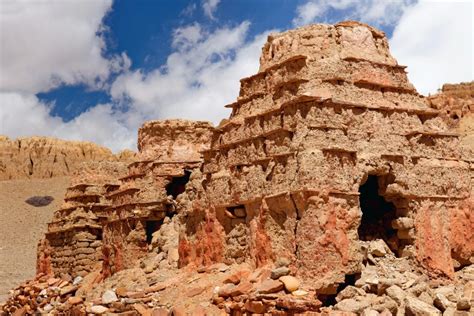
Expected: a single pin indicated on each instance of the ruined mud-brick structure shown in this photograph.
(327, 145)
(169, 151)
(111, 211)
(73, 242)
(454, 100)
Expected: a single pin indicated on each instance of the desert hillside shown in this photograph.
(22, 226)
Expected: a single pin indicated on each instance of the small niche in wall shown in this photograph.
(236, 212)
(151, 226)
(178, 184)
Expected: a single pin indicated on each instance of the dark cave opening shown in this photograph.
(330, 299)
(377, 213)
(178, 184)
(151, 227)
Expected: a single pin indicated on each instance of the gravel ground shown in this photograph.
(22, 225)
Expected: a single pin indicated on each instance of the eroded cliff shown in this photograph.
(45, 157)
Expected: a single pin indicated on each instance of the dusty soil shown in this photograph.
(22, 225)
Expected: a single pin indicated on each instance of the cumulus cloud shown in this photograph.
(198, 79)
(209, 7)
(49, 43)
(435, 41)
(26, 115)
(375, 12)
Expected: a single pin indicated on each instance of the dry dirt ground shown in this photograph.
(22, 225)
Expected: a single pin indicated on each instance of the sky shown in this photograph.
(95, 70)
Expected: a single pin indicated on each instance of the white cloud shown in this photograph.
(187, 36)
(435, 40)
(198, 79)
(209, 7)
(25, 115)
(48, 43)
(375, 12)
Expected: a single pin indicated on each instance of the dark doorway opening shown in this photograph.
(178, 185)
(377, 213)
(150, 228)
(330, 299)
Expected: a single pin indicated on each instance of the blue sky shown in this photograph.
(96, 69)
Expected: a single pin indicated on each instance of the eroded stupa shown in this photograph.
(329, 129)
(328, 149)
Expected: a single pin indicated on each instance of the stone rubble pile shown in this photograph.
(394, 286)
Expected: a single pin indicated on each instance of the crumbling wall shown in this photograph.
(147, 195)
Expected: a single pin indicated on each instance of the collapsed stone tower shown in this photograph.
(329, 145)
(111, 210)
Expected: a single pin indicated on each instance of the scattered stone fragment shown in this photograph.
(349, 292)
(270, 286)
(68, 289)
(299, 293)
(352, 305)
(73, 300)
(378, 248)
(417, 307)
(441, 302)
(226, 290)
(463, 304)
(99, 309)
(282, 262)
(255, 307)
(121, 291)
(279, 272)
(291, 283)
(370, 312)
(108, 297)
(77, 280)
(236, 277)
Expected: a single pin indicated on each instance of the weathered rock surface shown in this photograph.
(45, 157)
(456, 103)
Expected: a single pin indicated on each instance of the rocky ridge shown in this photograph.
(456, 103)
(45, 157)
